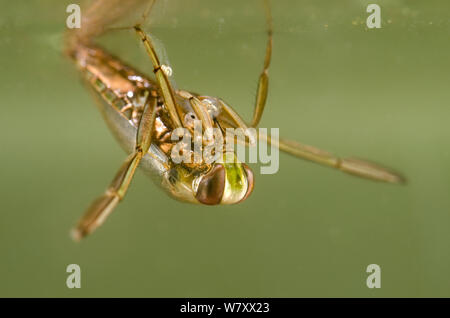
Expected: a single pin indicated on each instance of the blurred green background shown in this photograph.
(381, 94)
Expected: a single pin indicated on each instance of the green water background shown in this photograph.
(381, 94)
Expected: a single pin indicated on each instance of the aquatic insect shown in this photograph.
(143, 113)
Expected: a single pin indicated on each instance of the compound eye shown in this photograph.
(211, 187)
(250, 181)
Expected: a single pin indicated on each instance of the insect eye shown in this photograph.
(211, 187)
(250, 181)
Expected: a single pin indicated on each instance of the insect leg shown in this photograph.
(105, 204)
(236, 119)
(263, 83)
(161, 77)
(356, 167)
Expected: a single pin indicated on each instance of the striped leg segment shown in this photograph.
(263, 83)
(356, 167)
(105, 204)
(161, 77)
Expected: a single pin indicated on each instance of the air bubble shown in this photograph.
(167, 70)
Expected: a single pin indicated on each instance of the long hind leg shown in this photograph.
(357, 167)
(105, 204)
